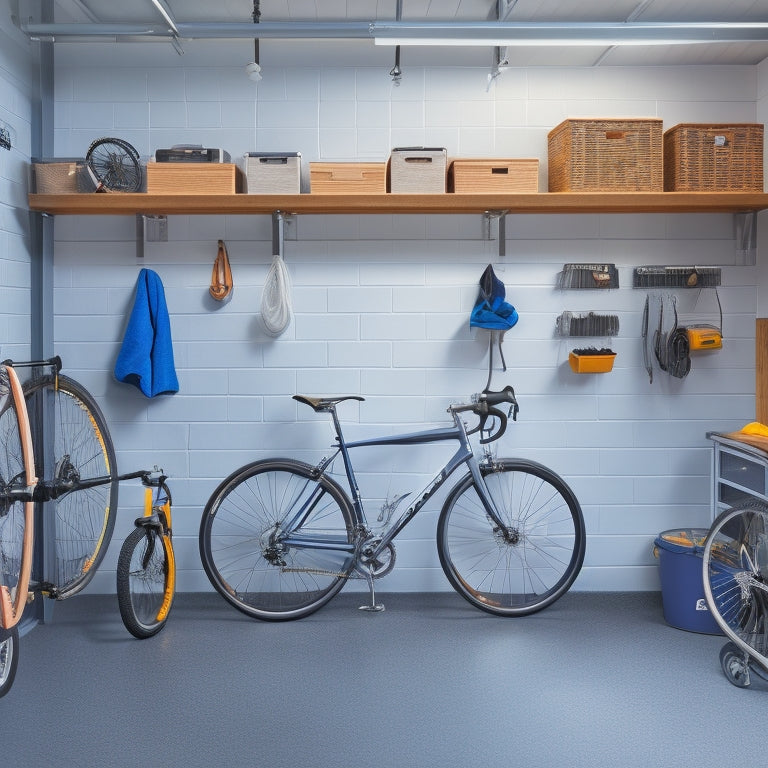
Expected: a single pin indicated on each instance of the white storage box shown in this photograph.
(418, 170)
(273, 173)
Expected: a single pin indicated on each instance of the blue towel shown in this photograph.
(146, 356)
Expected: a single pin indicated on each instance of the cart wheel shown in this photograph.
(735, 666)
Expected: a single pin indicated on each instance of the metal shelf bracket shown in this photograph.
(495, 228)
(745, 232)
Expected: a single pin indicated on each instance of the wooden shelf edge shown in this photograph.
(123, 204)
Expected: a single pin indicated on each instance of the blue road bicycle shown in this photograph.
(279, 538)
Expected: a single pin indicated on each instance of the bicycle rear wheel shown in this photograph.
(735, 572)
(146, 581)
(82, 449)
(17, 479)
(259, 562)
(9, 658)
(528, 564)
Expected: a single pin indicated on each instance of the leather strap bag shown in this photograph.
(221, 277)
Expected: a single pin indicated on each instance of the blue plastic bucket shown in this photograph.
(682, 589)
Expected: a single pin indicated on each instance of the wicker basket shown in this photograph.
(606, 155)
(714, 158)
(57, 178)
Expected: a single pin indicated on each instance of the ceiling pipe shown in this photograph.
(426, 33)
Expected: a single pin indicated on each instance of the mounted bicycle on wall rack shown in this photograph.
(279, 538)
(80, 495)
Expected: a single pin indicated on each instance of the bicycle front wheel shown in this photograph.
(276, 541)
(82, 449)
(16, 508)
(146, 581)
(528, 563)
(9, 658)
(735, 571)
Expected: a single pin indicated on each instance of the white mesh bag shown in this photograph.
(276, 298)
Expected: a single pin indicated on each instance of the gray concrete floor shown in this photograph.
(595, 680)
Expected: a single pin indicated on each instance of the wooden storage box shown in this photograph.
(192, 178)
(273, 173)
(348, 178)
(606, 155)
(510, 175)
(420, 170)
(714, 158)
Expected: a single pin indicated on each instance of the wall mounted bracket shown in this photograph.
(495, 228)
(279, 221)
(745, 232)
(150, 229)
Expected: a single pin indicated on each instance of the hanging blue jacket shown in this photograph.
(146, 356)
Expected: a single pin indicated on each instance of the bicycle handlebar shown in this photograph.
(484, 406)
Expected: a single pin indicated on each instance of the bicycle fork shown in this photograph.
(156, 522)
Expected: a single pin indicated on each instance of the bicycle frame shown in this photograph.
(463, 455)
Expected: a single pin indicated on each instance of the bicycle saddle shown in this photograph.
(320, 404)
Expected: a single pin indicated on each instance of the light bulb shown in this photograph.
(253, 70)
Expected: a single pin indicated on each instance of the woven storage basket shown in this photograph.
(418, 170)
(606, 155)
(714, 158)
(505, 175)
(57, 178)
(271, 173)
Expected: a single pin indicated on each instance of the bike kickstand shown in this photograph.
(374, 607)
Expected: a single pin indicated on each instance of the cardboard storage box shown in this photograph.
(421, 170)
(273, 173)
(606, 155)
(193, 178)
(509, 175)
(348, 178)
(714, 158)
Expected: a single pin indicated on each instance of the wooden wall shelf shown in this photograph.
(123, 204)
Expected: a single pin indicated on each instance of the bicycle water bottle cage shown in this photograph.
(322, 404)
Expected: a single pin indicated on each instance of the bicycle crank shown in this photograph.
(376, 565)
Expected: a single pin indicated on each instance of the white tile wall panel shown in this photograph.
(133, 435)
(329, 381)
(257, 381)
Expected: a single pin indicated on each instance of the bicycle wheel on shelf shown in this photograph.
(9, 658)
(82, 449)
(146, 581)
(115, 163)
(259, 566)
(17, 480)
(735, 574)
(529, 564)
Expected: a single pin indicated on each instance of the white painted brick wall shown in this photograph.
(381, 303)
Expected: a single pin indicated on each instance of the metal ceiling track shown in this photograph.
(480, 33)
